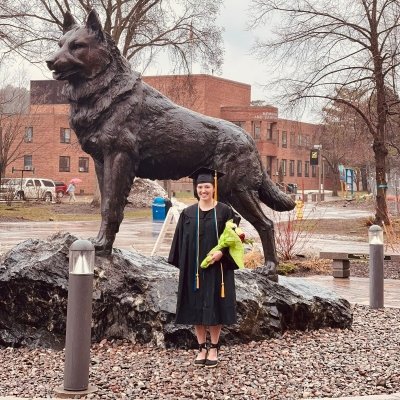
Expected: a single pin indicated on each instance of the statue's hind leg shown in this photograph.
(248, 205)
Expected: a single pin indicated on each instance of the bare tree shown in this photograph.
(343, 136)
(325, 46)
(15, 120)
(184, 30)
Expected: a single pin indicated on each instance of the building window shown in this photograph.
(283, 165)
(291, 167)
(28, 163)
(83, 164)
(313, 171)
(256, 129)
(239, 123)
(28, 137)
(64, 164)
(292, 139)
(299, 168)
(277, 138)
(284, 139)
(270, 131)
(307, 168)
(269, 165)
(65, 135)
(299, 139)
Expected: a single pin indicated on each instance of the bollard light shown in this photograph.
(79, 321)
(376, 274)
(81, 258)
(375, 234)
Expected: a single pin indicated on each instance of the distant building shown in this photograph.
(50, 147)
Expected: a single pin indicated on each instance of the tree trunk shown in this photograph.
(379, 145)
(364, 180)
(336, 183)
(381, 184)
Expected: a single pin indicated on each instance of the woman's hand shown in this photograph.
(216, 256)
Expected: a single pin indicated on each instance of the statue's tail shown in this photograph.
(274, 198)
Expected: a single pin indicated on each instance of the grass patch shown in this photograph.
(60, 212)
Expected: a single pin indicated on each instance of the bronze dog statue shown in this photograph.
(130, 129)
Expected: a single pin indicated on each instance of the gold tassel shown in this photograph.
(222, 282)
(215, 186)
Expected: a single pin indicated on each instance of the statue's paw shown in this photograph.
(270, 269)
(101, 246)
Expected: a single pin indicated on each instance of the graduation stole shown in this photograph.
(197, 278)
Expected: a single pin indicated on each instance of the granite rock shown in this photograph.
(134, 298)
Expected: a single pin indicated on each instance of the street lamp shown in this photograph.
(320, 162)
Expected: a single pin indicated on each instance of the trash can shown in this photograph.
(159, 209)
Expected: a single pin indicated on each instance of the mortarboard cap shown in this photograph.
(205, 175)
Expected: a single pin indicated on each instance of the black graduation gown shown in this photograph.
(203, 306)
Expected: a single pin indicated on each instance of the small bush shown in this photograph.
(286, 268)
(253, 258)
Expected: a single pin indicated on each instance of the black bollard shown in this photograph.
(79, 320)
(376, 255)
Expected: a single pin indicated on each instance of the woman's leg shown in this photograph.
(201, 332)
(215, 331)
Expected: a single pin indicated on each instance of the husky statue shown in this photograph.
(130, 129)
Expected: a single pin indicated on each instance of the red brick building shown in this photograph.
(50, 149)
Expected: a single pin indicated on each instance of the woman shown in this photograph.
(206, 297)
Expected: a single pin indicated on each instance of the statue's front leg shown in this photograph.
(118, 175)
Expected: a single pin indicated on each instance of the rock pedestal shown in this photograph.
(134, 299)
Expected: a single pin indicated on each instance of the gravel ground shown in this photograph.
(325, 363)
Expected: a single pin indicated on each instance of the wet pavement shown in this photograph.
(141, 234)
(356, 290)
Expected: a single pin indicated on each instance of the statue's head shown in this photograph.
(84, 50)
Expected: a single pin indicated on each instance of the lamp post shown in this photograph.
(79, 320)
(376, 256)
(319, 148)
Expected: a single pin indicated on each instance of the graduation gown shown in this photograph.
(203, 306)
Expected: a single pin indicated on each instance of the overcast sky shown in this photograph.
(239, 64)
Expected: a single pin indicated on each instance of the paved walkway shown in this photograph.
(356, 290)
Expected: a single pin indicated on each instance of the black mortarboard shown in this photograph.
(205, 175)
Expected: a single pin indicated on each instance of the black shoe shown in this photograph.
(212, 363)
(201, 363)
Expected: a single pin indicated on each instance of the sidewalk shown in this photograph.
(356, 290)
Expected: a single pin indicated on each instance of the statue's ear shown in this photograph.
(69, 22)
(93, 23)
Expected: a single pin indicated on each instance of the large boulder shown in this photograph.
(134, 298)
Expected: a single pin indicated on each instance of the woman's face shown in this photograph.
(205, 191)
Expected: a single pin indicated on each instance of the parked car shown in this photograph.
(29, 188)
(61, 188)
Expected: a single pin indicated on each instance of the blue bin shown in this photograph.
(159, 209)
